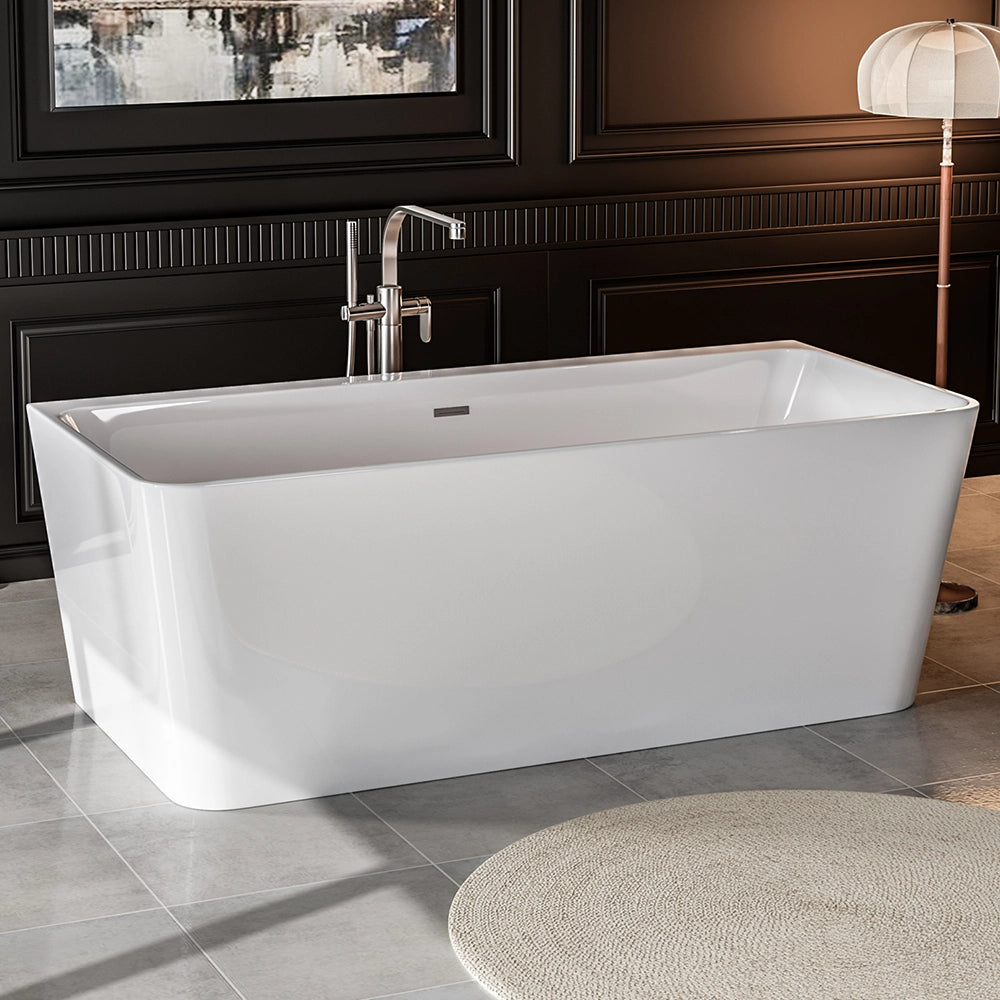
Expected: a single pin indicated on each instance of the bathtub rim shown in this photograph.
(57, 411)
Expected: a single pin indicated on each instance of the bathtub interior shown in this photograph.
(267, 431)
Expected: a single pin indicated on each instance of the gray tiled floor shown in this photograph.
(111, 892)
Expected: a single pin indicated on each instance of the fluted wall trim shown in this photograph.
(125, 250)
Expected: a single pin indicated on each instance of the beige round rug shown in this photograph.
(775, 895)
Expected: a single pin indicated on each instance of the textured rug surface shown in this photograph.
(774, 895)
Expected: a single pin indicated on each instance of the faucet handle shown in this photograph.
(425, 323)
(419, 306)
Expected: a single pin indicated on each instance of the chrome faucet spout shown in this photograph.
(391, 307)
(393, 226)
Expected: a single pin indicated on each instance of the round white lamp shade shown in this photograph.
(933, 69)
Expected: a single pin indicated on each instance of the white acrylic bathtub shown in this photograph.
(279, 592)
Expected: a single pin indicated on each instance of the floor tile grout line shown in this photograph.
(955, 670)
(213, 899)
(297, 885)
(993, 496)
(964, 777)
(39, 822)
(10, 729)
(226, 979)
(858, 756)
(16, 738)
(83, 813)
(5, 664)
(982, 576)
(974, 572)
(26, 600)
(421, 989)
(965, 571)
(405, 840)
(958, 552)
(53, 732)
(122, 809)
(984, 685)
(80, 920)
(613, 778)
(958, 687)
(27, 663)
(456, 861)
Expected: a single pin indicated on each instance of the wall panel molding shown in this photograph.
(645, 82)
(120, 251)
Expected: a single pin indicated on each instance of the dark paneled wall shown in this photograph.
(634, 176)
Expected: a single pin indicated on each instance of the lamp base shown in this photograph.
(955, 597)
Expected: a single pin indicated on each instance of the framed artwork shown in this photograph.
(262, 84)
(112, 52)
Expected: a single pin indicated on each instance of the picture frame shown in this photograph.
(473, 124)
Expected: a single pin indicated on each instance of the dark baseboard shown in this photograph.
(984, 460)
(25, 562)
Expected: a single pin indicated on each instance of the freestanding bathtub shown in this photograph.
(286, 591)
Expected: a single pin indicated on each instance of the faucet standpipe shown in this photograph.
(365, 313)
(352, 290)
(391, 306)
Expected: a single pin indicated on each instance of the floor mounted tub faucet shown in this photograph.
(391, 307)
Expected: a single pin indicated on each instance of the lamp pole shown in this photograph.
(951, 597)
(944, 258)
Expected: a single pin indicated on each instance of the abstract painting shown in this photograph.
(114, 52)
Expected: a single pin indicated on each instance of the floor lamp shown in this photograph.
(944, 70)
